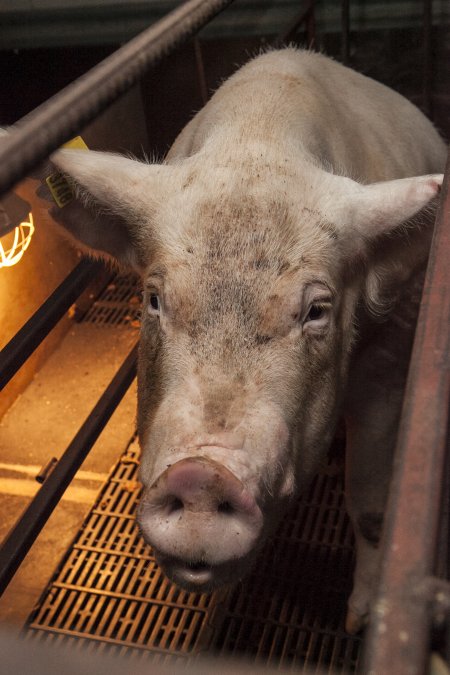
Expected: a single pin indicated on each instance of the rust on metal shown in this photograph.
(398, 637)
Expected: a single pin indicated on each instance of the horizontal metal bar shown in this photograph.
(25, 531)
(44, 130)
(399, 632)
(30, 336)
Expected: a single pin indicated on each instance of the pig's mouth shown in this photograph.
(203, 577)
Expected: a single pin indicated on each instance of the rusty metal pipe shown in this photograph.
(398, 636)
(47, 127)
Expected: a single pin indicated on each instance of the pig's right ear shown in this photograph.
(111, 213)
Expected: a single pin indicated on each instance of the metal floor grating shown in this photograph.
(118, 303)
(109, 595)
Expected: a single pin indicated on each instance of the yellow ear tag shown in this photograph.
(59, 186)
(76, 143)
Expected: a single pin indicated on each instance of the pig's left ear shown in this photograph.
(111, 212)
(373, 210)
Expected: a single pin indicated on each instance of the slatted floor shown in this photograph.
(110, 591)
(119, 303)
(109, 595)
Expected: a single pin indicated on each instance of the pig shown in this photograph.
(282, 246)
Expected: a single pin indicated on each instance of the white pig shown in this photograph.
(281, 246)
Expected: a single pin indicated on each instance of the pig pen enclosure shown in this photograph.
(101, 590)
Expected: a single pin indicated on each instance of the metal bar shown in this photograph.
(21, 537)
(436, 591)
(427, 73)
(398, 635)
(201, 76)
(311, 27)
(304, 17)
(345, 30)
(30, 336)
(45, 129)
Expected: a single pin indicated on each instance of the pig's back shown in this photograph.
(306, 102)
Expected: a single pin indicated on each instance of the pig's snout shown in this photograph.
(201, 521)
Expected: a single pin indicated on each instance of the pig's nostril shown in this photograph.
(175, 504)
(225, 507)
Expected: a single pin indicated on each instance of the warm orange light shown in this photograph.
(14, 244)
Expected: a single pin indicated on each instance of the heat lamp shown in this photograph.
(16, 229)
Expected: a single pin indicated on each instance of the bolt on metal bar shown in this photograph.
(399, 632)
(45, 129)
(30, 336)
(25, 531)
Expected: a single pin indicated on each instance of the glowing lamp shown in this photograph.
(16, 229)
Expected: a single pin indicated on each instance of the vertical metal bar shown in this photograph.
(311, 26)
(307, 17)
(345, 31)
(427, 71)
(398, 636)
(201, 77)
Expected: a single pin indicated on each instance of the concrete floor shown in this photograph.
(39, 426)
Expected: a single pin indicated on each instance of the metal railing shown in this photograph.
(409, 595)
(53, 123)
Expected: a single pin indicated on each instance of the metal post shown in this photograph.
(399, 632)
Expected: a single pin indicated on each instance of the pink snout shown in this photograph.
(202, 523)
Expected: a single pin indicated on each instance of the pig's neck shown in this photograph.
(259, 162)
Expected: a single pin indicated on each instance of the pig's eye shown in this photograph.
(318, 313)
(154, 306)
(315, 312)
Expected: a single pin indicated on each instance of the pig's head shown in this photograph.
(252, 274)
